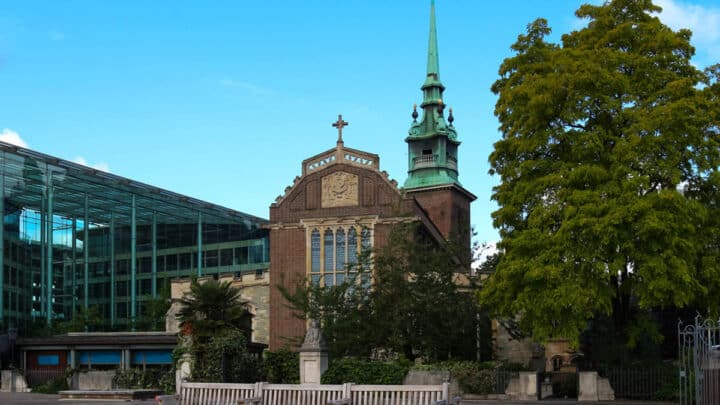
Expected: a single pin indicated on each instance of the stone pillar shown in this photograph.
(313, 355)
(523, 387)
(73, 358)
(587, 386)
(183, 371)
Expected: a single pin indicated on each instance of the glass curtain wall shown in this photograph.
(74, 237)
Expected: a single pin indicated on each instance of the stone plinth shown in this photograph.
(313, 356)
(523, 387)
(12, 381)
(587, 386)
(312, 366)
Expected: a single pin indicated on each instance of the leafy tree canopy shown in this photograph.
(608, 164)
(410, 304)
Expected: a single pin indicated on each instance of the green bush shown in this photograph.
(474, 377)
(52, 387)
(282, 367)
(225, 357)
(357, 371)
(137, 378)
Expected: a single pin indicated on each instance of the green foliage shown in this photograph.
(410, 305)
(609, 174)
(52, 387)
(139, 379)
(155, 310)
(224, 358)
(212, 308)
(365, 372)
(282, 367)
(475, 377)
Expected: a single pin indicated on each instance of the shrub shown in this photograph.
(137, 378)
(224, 358)
(282, 367)
(476, 377)
(365, 372)
(52, 387)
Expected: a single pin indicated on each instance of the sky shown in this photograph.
(223, 100)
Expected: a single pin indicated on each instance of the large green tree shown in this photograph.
(608, 166)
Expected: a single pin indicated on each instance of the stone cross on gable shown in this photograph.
(340, 124)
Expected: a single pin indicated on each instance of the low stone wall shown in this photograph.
(433, 377)
(94, 380)
(12, 381)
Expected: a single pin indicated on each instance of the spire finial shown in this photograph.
(433, 65)
(340, 124)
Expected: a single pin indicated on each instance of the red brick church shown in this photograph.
(343, 203)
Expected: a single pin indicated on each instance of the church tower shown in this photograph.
(433, 154)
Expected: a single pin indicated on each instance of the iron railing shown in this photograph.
(699, 362)
(35, 377)
(500, 379)
(646, 383)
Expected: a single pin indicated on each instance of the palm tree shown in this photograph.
(212, 309)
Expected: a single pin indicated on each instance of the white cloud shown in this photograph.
(98, 166)
(703, 21)
(56, 35)
(10, 136)
(249, 87)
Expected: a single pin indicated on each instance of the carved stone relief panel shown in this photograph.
(339, 189)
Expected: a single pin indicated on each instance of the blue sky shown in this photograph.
(222, 100)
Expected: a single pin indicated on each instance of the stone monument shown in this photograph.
(313, 355)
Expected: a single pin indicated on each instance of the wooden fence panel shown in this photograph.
(311, 394)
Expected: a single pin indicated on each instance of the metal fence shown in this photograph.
(699, 362)
(564, 383)
(648, 383)
(35, 377)
(501, 379)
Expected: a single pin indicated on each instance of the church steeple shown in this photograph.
(432, 142)
(433, 65)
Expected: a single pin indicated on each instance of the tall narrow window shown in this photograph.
(340, 256)
(315, 257)
(352, 246)
(329, 253)
(365, 249)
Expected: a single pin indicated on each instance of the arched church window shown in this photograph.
(334, 254)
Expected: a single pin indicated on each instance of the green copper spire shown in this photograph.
(432, 142)
(433, 65)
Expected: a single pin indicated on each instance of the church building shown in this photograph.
(344, 204)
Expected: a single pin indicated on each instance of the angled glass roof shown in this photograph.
(30, 178)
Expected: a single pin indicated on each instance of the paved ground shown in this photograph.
(7, 398)
(23, 398)
(559, 402)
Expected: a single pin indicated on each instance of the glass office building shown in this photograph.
(75, 237)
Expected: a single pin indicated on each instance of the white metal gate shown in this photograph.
(699, 358)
